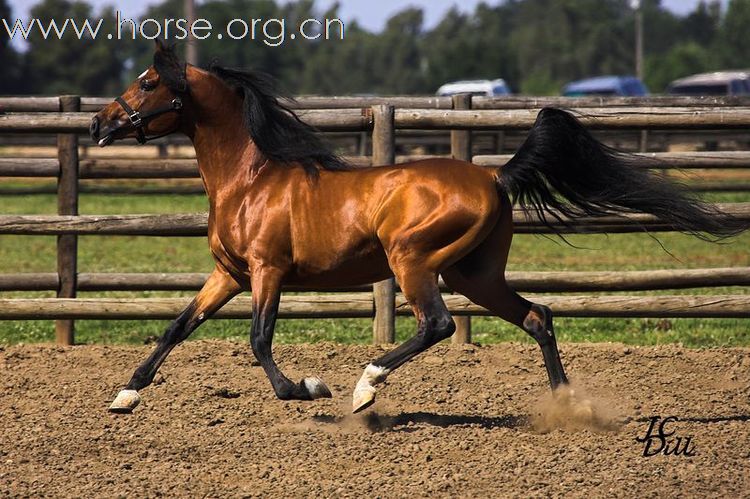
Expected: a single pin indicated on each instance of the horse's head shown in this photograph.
(150, 108)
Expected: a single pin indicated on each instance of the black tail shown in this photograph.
(561, 157)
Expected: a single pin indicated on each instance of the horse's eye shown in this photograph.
(147, 85)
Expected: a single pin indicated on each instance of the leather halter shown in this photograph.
(139, 120)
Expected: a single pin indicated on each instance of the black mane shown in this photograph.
(276, 129)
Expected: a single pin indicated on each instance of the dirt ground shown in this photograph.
(456, 422)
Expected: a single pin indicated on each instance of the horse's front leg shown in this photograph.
(266, 286)
(218, 290)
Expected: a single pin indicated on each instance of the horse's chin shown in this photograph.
(106, 140)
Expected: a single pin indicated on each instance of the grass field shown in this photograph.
(157, 254)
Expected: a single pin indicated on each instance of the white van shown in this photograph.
(716, 83)
(486, 88)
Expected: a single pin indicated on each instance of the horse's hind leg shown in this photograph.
(495, 295)
(434, 325)
(480, 277)
(218, 290)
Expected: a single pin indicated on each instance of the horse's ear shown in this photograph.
(169, 66)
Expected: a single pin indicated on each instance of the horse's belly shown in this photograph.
(347, 267)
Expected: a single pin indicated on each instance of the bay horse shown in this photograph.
(284, 210)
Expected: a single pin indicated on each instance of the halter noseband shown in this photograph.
(139, 120)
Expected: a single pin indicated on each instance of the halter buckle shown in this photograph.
(135, 119)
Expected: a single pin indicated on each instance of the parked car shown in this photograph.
(606, 85)
(487, 88)
(716, 83)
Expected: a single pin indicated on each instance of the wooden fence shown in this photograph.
(69, 116)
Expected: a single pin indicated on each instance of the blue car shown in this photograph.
(606, 85)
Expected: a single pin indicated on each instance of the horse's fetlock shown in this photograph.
(285, 392)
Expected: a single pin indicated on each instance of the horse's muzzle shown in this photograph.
(95, 131)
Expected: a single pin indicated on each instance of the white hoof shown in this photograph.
(362, 399)
(317, 388)
(125, 402)
(364, 392)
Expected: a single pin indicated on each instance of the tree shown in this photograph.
(557, 41)
(397, 59)
(341, 67)
(70, 64)
(535, 45)
(702, 25)
(681, 60)
(493, 49)
(449, 50)
(734, 48)
(9, 59)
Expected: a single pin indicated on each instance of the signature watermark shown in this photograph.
(657, 439)
(273, 31)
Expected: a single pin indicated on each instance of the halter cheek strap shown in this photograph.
(138, 120)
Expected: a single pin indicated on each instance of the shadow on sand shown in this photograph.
(406, 422)
(716, 419)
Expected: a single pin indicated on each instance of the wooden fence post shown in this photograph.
(461, 148)
(67, 204)
(384, 292)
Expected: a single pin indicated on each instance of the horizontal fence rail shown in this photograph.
(670, 118)
(361, 305)
(660, 160)
(595, 118)
(539, 282)
(344, 120)
(196, 224)
(188, 168)
(94, 104)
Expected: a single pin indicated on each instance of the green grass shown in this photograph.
(157, 254)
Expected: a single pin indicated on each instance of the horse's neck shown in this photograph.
(226, 155)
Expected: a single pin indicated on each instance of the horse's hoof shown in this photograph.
(316, 388)
(362, 399)
(125, 402)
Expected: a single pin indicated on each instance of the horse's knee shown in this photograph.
(538, 324)
(181, 327)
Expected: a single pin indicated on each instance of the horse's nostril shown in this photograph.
(94, 128)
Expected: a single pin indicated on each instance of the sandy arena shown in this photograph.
(456, 422)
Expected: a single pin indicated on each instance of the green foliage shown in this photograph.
(68, 65)
(535, 45)
(733, 38)
(557, 41)
(341, 68)
(683, 59)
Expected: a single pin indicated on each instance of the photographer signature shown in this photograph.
(657, 441)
